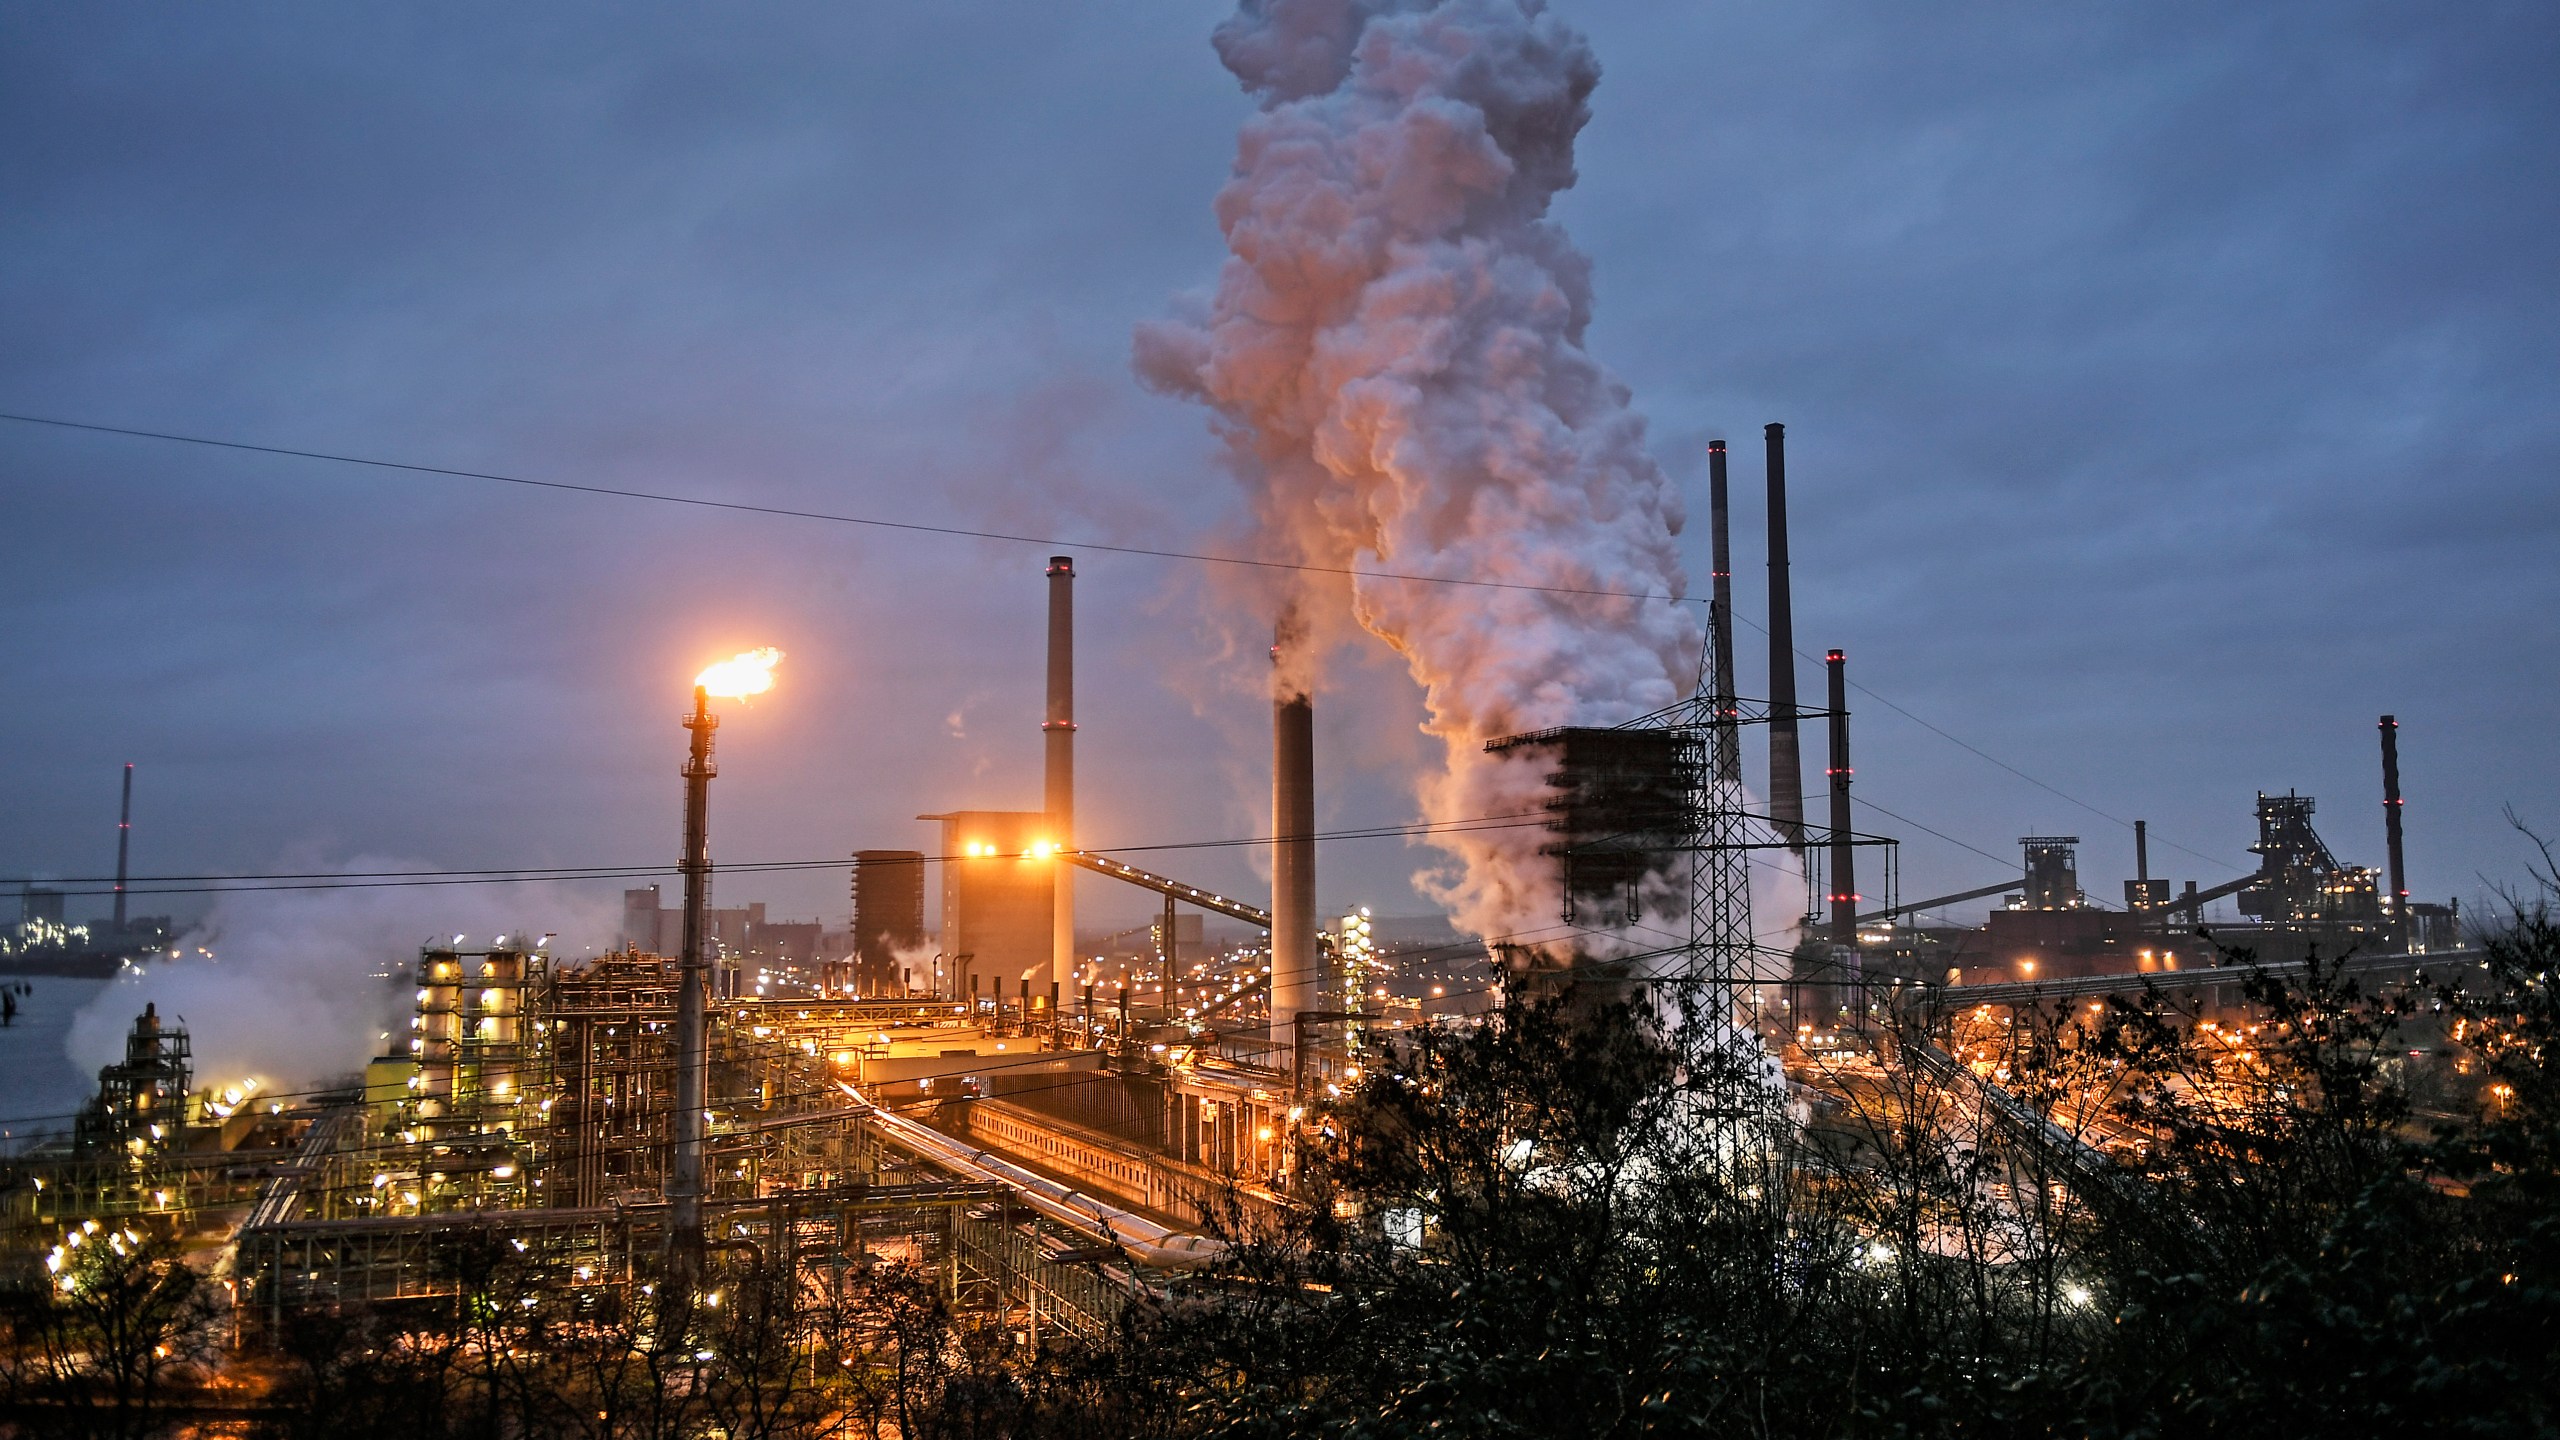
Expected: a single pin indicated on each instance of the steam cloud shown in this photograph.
(1394, 353)
(290, 994)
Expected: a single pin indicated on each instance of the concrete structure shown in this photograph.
(1058, 767)
(1786, 759)
(888, 917)
(1297, 964)
(998, 905)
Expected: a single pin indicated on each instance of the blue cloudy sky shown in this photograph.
(2170, 391)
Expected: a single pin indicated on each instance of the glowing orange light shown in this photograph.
(750, 672)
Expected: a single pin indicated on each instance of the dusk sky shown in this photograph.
(2169, 389)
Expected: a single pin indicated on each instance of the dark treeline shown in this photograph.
(2340, 1220)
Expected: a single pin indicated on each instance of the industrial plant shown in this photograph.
(1644, 1101)
(1055, 1123)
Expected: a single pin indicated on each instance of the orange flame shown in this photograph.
(747, 673)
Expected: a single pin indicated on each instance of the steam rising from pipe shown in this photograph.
(1395, 355)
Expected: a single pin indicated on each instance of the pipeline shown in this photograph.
(1144, 1240)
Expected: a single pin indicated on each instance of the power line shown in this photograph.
(371, 879)
(964, 532)
(1979, 753)
(867, 521)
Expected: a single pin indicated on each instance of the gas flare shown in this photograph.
(1395, 355)
(749, 672)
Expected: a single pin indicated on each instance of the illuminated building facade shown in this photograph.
(997, 902)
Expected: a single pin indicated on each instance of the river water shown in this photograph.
(39, 1086)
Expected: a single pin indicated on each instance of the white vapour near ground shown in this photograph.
(1395, 354)
(293, 992)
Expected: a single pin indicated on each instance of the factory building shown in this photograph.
(39, 905)
(888, 918)
(998, 902)
(647, 925)
(142, 1100)
(1619, 802)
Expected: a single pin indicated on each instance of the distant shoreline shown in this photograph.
(67, 967)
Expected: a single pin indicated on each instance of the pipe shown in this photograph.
(1728, 747)
(124, 843)
(2398, 909)
(684, 1181)
(1146, 1240)
(1296, 980)
(1058, 739)
(1844, 851)
(1786, 759)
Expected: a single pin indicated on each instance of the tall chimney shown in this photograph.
(124, 842)
(1728, 753)
(693, 1054)
(1296, 980)
(1058, 735)
(1786, 761)
(2142, 850)
(2399, 906)
(1844, 853)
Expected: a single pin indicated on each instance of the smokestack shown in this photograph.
(1844, 854)
(1295, 979)
(1786, 761)
(684, 1179)
(2142, 851)
(1728, 754)
(1058, 735)
(124, 842)
(2391, 824)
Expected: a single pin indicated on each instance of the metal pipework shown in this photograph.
(1786, 758)
(1728, 750)
(124, 842)
(2399, 907)
(1844, 850)
(1296, 982)
(1058, 739)
(684, 1179)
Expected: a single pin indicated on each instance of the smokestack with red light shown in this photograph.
(124, 842)
(1844, 853)
(1058, 735)
(1786, 759)
(1296, 980)
(2399, 906)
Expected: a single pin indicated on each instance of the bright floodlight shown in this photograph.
(741, 675)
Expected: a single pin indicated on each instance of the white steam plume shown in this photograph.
(291, 994)
(1395, 356)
